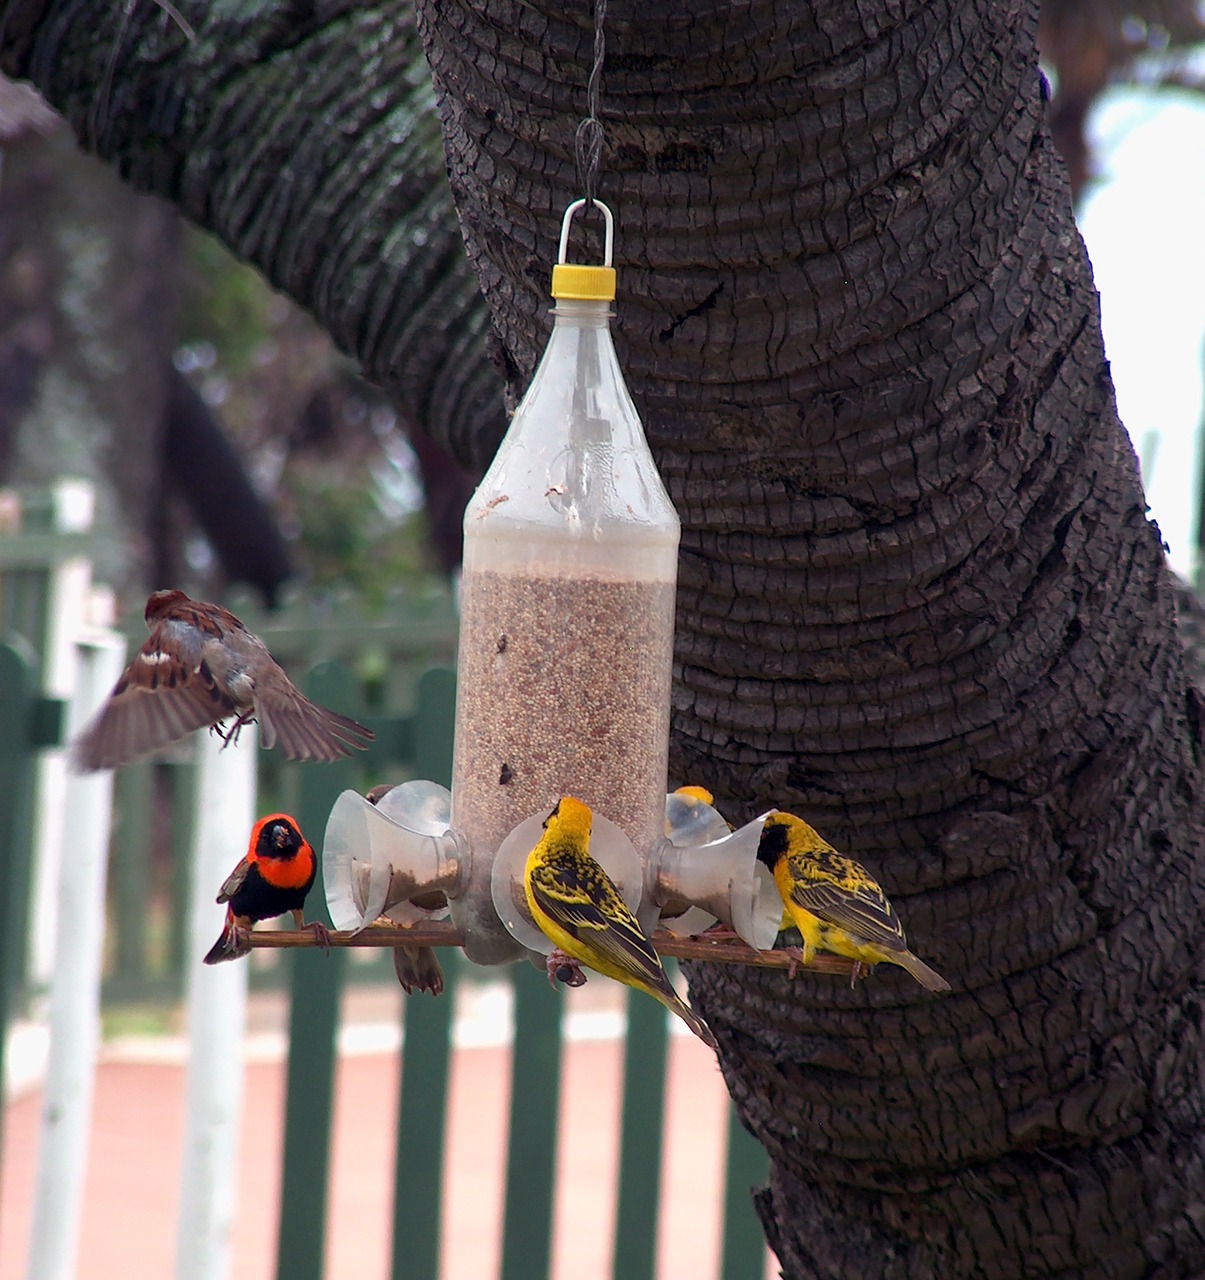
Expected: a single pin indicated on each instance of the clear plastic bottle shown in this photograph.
(567, 608)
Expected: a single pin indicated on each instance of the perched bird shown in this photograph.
(417, 968)
(834, 902)
(198, 667)
(577, 906)
(699, 795)
(273, 877)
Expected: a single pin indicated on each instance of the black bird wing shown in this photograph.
(582, 899)
(839, 891)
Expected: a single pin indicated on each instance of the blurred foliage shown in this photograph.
(324, 449)
(350, 538)
(224, 305)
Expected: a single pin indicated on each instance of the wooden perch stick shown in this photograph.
(439, 933)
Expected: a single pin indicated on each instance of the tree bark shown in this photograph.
(919, 602)
(304, 137)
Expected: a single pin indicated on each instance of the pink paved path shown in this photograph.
(134, 1168)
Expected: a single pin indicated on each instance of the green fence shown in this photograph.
(30, 551)
(426, 1056)
(395, 676)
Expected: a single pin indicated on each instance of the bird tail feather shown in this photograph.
(675, 1004)
(231, 943)
(930, 979)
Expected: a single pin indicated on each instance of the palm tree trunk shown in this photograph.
(920, 601)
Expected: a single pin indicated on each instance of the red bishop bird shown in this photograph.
(273, 877)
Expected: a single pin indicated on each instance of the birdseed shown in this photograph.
(563, 689)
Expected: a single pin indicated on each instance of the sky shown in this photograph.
(1144, 225)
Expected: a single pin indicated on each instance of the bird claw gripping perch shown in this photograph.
(563, 969)
(322, 935)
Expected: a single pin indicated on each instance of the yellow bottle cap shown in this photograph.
(572, 281)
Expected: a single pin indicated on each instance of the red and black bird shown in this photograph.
(274, 877)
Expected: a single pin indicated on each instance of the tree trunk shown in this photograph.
(919, 601)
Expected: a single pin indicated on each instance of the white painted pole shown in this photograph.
(217, 1005)
(69, 592)
(75, 988)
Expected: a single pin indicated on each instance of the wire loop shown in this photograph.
(609, 235)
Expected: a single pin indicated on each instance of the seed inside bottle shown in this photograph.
(579, 707)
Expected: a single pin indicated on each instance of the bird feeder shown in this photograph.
(567, 606)
(703, 872)
(564, 670)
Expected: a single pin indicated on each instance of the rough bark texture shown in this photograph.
(303, 135)
(919, 602)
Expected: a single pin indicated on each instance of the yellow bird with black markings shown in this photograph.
(835, 903)
(695, 795)
(578, 908)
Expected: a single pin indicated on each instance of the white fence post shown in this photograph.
(217, 998)
(70, 587)
(78, 942)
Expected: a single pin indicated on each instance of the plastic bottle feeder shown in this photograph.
(564, 671)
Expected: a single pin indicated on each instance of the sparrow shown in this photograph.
(577, 907)
(273, 877)
(835, 903)
(198, 667)
(417, 968)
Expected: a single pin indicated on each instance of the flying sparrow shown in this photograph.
(198, 667)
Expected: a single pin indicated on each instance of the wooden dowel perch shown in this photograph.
(439, 933)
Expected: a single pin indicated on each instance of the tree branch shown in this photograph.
(304, 137)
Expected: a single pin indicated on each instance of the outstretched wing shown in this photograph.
(159, 699)
(302, 729)
(841, 892)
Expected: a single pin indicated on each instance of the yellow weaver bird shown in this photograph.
(699, 794)
(835, 903)
(577, 906)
